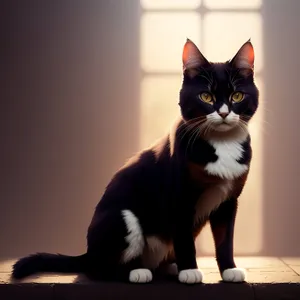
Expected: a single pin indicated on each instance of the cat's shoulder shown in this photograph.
(149, 155)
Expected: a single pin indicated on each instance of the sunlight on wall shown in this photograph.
(246, 4)
(161, 49)
(158, 115)
(218, 28)
(167, 4)
(219, 44)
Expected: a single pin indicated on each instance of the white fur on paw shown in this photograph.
(140, 276)
(190, 276)
(234, 275)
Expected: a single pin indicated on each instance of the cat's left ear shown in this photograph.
(244, 59)
(192, 59)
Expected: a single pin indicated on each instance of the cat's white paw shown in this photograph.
(140, 276)
(190, 276)
(234, 275)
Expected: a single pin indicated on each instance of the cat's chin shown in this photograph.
(223, 127)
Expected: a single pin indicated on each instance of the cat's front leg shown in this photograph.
(222, 224)
(185, 254)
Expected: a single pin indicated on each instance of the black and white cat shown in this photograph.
(158, 202)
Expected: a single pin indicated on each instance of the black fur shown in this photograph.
(222, 226)
(161, 186)
(46, 262)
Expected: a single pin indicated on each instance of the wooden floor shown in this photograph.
(267, 278)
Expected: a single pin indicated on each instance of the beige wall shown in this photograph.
(69, 116)
(282, 143)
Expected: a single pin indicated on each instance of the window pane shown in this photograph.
(232, 3)
(173, 4)
(249, 223)
(224, 34)
(162, 38)
(159, 106)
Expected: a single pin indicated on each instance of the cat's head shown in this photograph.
(220, 97)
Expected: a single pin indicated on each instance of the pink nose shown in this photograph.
(223, 115)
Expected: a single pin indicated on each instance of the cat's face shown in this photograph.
(218, 96)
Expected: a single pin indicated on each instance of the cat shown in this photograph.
(156, 205)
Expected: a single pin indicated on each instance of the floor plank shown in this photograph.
(267, 278)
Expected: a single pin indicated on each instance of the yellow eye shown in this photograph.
(206, 97)
(237, 97)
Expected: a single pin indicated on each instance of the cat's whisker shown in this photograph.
(184, 134)
(260, 122)
(261, 129)
(243, 127)
(190, 138)
(202, 128)
(190, 128)
(195, 133)
(266, 109)
(264, 121)
(191, 121)
(194, 130)
(196, 136)
(243, 121)
(183, 130)
(199, 128)
(208, 126)
(185, 126)
(205, 129)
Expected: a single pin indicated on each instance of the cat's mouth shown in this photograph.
(223, 126)
(219, 123)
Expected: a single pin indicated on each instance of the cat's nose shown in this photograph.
(223, 114)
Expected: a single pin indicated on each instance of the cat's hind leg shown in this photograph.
(131, 256)
(115, 246)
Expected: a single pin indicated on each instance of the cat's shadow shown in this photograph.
(83, 279)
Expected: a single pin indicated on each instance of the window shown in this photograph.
(165, 25)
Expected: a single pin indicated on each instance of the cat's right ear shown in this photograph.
(192, 59)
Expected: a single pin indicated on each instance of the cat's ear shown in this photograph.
(192, 59)
(244, 59)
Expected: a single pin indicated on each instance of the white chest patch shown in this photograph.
(226, 166)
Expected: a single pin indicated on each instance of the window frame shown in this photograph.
(202, 10)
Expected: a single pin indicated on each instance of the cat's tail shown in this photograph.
(46, 262)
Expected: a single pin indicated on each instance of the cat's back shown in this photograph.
(141, 177)
(148, 161)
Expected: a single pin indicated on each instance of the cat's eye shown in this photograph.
(206, 97)
(237, 97)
